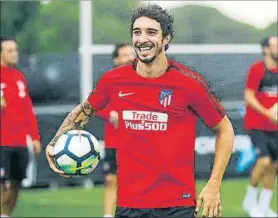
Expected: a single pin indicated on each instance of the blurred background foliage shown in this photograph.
(54, 27)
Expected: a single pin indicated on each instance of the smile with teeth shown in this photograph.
(147, 48)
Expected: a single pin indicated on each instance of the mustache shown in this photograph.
(138, 45)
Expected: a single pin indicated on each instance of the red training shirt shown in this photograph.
(17, 118)
(265, 84)
(157, 122)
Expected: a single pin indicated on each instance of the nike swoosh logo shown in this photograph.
(125, 94)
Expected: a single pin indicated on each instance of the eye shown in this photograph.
(136, 32)
(152, 33)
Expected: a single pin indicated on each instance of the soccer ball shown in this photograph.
(77, 152)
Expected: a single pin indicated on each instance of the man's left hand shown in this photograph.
(210, 199)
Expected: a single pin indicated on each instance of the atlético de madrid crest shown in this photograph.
(165, 97)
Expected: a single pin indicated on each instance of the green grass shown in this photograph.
(79, 202)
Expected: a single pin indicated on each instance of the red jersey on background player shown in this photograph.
(123, 54)
(158, 102)
(17, 121)
(261, 123)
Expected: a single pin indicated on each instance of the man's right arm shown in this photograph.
(79, 117)
(81, 114)
(76, 119)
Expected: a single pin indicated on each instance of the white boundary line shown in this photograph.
(187, 49)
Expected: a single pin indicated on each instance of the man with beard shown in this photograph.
(261, 123)
(122, 54)
(157, 101)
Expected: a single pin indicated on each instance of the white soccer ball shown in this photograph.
(77, 152)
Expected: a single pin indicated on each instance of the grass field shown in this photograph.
(79, 202)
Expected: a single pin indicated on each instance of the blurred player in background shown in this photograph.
(123, 54)
(17, 121)
(159, 101)
(261, 123)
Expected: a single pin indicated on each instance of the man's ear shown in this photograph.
(167, 40)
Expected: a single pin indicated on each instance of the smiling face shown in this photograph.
(147, 39)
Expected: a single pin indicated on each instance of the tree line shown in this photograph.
(54, 27)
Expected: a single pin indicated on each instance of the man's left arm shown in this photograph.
(212, 113)
(210, 195)
(223, 149)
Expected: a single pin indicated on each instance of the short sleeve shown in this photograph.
(99, 97)
(254, 76)
(205, 104)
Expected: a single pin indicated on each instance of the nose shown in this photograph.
(142, 38)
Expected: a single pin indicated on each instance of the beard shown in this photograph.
(146, 60)
(151, 59)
